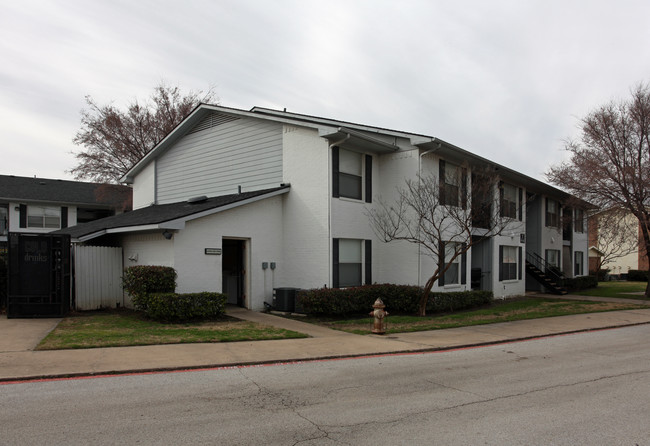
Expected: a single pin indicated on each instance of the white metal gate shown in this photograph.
(98, 277)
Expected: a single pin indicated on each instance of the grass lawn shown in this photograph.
(500, 311)
(616, 289)
(126, 328)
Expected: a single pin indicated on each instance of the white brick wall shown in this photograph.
(306, 226)
(260, 224)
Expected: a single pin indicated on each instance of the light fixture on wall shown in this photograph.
(168, 235)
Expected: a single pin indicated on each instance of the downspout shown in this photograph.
(419, 183)
(329, 205)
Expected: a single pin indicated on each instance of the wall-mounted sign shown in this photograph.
(212, 251)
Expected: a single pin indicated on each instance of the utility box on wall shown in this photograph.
(39, 275)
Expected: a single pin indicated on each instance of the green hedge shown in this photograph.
(141, 280)
(173, 307)
(601, 274)
(399, 299)
(580, 283)
(635, 275)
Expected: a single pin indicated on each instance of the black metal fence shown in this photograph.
(39, 275)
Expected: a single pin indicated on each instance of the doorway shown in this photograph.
(481, 272)
(234, 271)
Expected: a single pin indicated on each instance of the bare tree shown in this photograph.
(616, 233)
(610, 165)
(443, 219)
(115, 139)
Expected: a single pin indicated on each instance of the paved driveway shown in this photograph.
(19, 335)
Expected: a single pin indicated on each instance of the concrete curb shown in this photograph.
(244, 364)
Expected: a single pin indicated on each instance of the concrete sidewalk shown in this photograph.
(19, 362)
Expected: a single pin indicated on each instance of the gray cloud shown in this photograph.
(505, 79)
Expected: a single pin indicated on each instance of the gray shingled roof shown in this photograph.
(157, 214)
(13, 188)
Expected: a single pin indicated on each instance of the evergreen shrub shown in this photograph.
(141, 280)
(399, 299)
(580, 283)
(174, 307)
(635, 275)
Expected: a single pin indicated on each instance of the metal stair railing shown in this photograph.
(550, 271)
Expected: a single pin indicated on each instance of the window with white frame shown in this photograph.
(509, 195)
(350, 174)
(452, 275)
(579, 223)
(508, 262)
(552, 213)
(43, 217)
(553, 257)
(349, 262)
(578, 268)
(452, 188)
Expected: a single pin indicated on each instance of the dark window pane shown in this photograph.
(35, 221)
(349, 274)
(449, 195)
(349, 186)
(451, 275)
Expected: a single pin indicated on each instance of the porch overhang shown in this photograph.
(356, 141)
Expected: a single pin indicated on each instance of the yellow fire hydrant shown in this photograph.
(379, 325)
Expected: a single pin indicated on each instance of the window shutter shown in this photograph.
(22, 219)
(335, 172)
(441, 264)
(521, 204)
(368, 262)
(500, 263)
(335, 266)
(463, 266)
(520, 261)
(441, 191)
(368, 179)
(64, 217)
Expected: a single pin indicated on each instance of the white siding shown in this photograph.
(215, 161)
(144, 183)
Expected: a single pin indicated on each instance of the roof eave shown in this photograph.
(179, 223)
(346, 137)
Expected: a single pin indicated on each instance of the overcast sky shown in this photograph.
(507, 80)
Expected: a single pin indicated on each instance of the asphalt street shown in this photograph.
(579, 389)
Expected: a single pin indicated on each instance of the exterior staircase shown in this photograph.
(544, 273)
